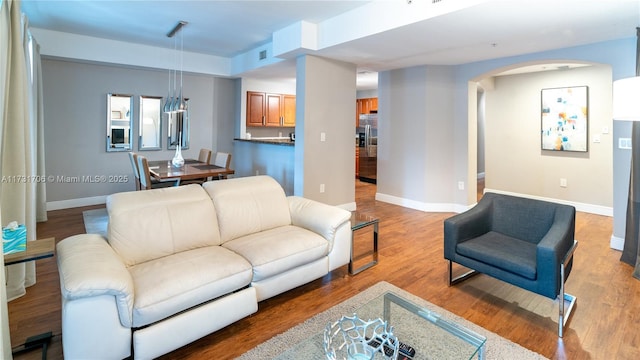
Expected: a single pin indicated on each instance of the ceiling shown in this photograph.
(483, 30)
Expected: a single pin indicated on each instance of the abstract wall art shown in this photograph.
(565, 118)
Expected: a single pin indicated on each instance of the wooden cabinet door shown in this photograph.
(288, 110)
(374, 104)
(273, 113)
(255, 108)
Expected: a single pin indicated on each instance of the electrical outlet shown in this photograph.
(460, 185)
(624, 143)
(321, 188)
(323, 136)
(563, 182)
(257, 172)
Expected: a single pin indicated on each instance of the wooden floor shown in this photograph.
(604, 325)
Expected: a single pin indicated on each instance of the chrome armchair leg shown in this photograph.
(461, 278)
(564, 314)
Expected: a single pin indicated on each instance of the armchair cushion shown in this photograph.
(507, 253)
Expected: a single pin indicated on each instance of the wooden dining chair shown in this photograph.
(145, 177)
(222, 159)
(205, 156)
(133, 157)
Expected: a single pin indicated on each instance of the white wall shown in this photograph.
(514, 161)
(75, 102)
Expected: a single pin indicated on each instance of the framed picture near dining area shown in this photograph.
(565, 118)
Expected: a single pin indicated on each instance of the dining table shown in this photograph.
(191, 170)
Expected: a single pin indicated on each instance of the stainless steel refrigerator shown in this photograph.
(368, 143)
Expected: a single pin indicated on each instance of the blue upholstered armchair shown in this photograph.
(527, 243)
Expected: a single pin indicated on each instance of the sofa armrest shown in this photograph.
(467, 225)
(89, 267)
(315, 216)
(552, 249)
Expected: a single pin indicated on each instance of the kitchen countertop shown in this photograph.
(284, 141)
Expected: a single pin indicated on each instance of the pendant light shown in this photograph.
(175, 102)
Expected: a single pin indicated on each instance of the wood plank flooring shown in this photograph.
(604, 325)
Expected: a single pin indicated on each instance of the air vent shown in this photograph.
(262, 55)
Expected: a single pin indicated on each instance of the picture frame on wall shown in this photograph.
(565, 118)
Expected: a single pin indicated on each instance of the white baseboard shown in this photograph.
(71, 203)
(616, 243)
(422, 206)
(457, 208)
(588, 208)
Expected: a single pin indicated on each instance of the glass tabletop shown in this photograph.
(427, 332)
(360, 220)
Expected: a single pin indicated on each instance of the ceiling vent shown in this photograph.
(262, 55)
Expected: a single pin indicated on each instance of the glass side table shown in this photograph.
(360, 221)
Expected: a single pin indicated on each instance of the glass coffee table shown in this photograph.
(427, 332)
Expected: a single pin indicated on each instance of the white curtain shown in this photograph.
(21, 162)
(5, 345)
(35, 147)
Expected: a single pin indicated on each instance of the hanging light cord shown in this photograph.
(174, 101)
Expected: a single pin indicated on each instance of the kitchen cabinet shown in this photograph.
(365, 106)
(289, 110)
(255, 108)
(267, 109)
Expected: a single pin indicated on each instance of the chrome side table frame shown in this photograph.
(359, 221)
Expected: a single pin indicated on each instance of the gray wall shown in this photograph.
(619, 54)
(325, 103)
(405, 163)
(415, 106)
(75, 123)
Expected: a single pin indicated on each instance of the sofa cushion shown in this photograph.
(146, 225)
(502, 251)
(174, 283)
(275, 251)
(248, 205)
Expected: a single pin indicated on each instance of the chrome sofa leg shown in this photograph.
(461, 278)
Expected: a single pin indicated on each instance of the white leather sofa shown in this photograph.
(182, 262)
